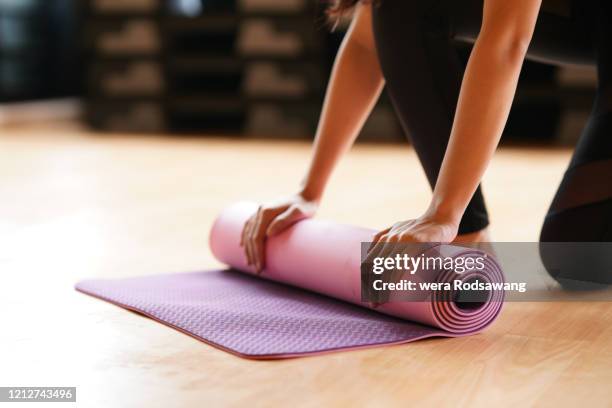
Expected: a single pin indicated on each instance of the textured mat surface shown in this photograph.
(253, 317)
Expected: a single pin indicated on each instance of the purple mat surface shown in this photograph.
(255, 318)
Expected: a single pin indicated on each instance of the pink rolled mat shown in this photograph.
(275, 317)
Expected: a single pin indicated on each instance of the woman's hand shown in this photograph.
(426, 229)
(269, 220)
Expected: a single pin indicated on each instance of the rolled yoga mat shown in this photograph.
(309, 301)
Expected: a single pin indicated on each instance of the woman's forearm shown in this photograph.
(354, 88)
(486, 96)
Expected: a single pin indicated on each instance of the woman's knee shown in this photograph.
(587, 223)
(575, 246)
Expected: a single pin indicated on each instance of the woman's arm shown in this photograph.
(354, 87)
(487, 92)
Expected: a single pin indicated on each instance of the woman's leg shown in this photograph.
(423, 76)
(582, 208)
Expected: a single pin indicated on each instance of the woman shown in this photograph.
(409, 46)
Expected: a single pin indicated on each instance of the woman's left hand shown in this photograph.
(426, 229)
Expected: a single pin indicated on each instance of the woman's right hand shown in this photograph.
(269, 220)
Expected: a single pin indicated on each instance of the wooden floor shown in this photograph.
(75, 205)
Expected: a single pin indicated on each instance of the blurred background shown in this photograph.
(251, 68)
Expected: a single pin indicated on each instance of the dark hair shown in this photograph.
(338, 7)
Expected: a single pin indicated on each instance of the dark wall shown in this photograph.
(37, 50)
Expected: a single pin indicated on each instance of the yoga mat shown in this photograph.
(306, 301)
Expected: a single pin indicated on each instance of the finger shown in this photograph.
(248, 242)
(260, 254)
(284, 221)
(373, 253)
(390, 237)
(377, 247)
(382, 249)
(377, 237)
(257, 243)
(388, 247)
(368, 275)
(251, 237)
(243, 233)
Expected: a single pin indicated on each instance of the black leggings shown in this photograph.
(416, 44)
